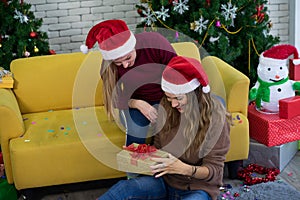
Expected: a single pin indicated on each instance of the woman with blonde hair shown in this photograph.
(193, 127)
(131, 72)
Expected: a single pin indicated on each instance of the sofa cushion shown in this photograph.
(49, 82)
(78, 144)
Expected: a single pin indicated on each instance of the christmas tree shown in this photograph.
(19, 33)
(236, 31)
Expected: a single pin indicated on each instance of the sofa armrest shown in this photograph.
(11, 125)
(236, 85)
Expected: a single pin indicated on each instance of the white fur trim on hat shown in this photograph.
(272, 61)
(120, 51)
(296, 61)
(179, 89)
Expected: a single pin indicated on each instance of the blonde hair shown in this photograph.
(193, 123)
(110, 88)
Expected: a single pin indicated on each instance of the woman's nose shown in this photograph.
(174, 103)
(125, 64)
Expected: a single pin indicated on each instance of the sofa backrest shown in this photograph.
(65, 81)
(51, 82)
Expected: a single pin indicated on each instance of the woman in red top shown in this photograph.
(131, 71)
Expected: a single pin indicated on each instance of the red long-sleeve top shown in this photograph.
(142, 80)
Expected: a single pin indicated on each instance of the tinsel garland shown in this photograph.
(246, 174)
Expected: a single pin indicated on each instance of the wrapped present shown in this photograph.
(136, 158)
(271, 157)
(6, 79)
(270, 129)
(289, 107)
(294, 69)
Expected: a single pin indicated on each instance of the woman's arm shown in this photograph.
(145, 108)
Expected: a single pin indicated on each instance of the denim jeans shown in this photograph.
(136, 124)
(148, 187)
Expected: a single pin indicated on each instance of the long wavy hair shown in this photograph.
(110, 87)
(193, 123)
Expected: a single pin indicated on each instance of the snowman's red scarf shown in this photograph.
(263, 92)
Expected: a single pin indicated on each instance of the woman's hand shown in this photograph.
(145, 108)
(169, 165)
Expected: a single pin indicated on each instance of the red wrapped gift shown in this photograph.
(294, 69)
(270, 129)
(289, 107)
(136, 158)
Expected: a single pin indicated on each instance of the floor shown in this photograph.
(92, 190)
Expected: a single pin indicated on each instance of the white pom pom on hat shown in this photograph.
(114, 38)
(84, 49)
(183, 75)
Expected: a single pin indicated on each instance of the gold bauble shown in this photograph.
(270, 24)
(153, 27)
(0, 45)
(192, 26)
(36, 50)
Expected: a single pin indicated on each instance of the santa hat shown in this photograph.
(114, 38)
(183, 75)
(278, 55)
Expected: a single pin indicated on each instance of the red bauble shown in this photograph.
(52, 52)
(33, 34)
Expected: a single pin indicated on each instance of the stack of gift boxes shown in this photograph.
(275, 138)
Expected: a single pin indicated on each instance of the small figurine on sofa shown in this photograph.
(273, 81)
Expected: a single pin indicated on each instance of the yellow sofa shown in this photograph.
(53, 127)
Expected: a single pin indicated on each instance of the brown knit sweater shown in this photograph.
(211, 154)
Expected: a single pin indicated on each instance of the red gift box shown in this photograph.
(270, 129)
(294, 69)
(289, 107)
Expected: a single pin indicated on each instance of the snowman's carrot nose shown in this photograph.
(277, 76)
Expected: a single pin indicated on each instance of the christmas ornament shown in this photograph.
(200, 25)
(149, 17)
(270, 24)
(192, 25)
(33, 34)
(260, 16)
(214, 39)
(26, 54)
(273, 81)
(163, 13)
(52, 52)
(180, 6)
(208, 3)
(35, 49)
(229, 12)
(140, 12)
(218, 23)
(22, 18)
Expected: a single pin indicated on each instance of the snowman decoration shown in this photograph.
(273, 81)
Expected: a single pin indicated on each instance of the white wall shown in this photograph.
(68, 21)
(295, 24)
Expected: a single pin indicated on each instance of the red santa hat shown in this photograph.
(279, 55)
(183, 75)
(114, 38)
